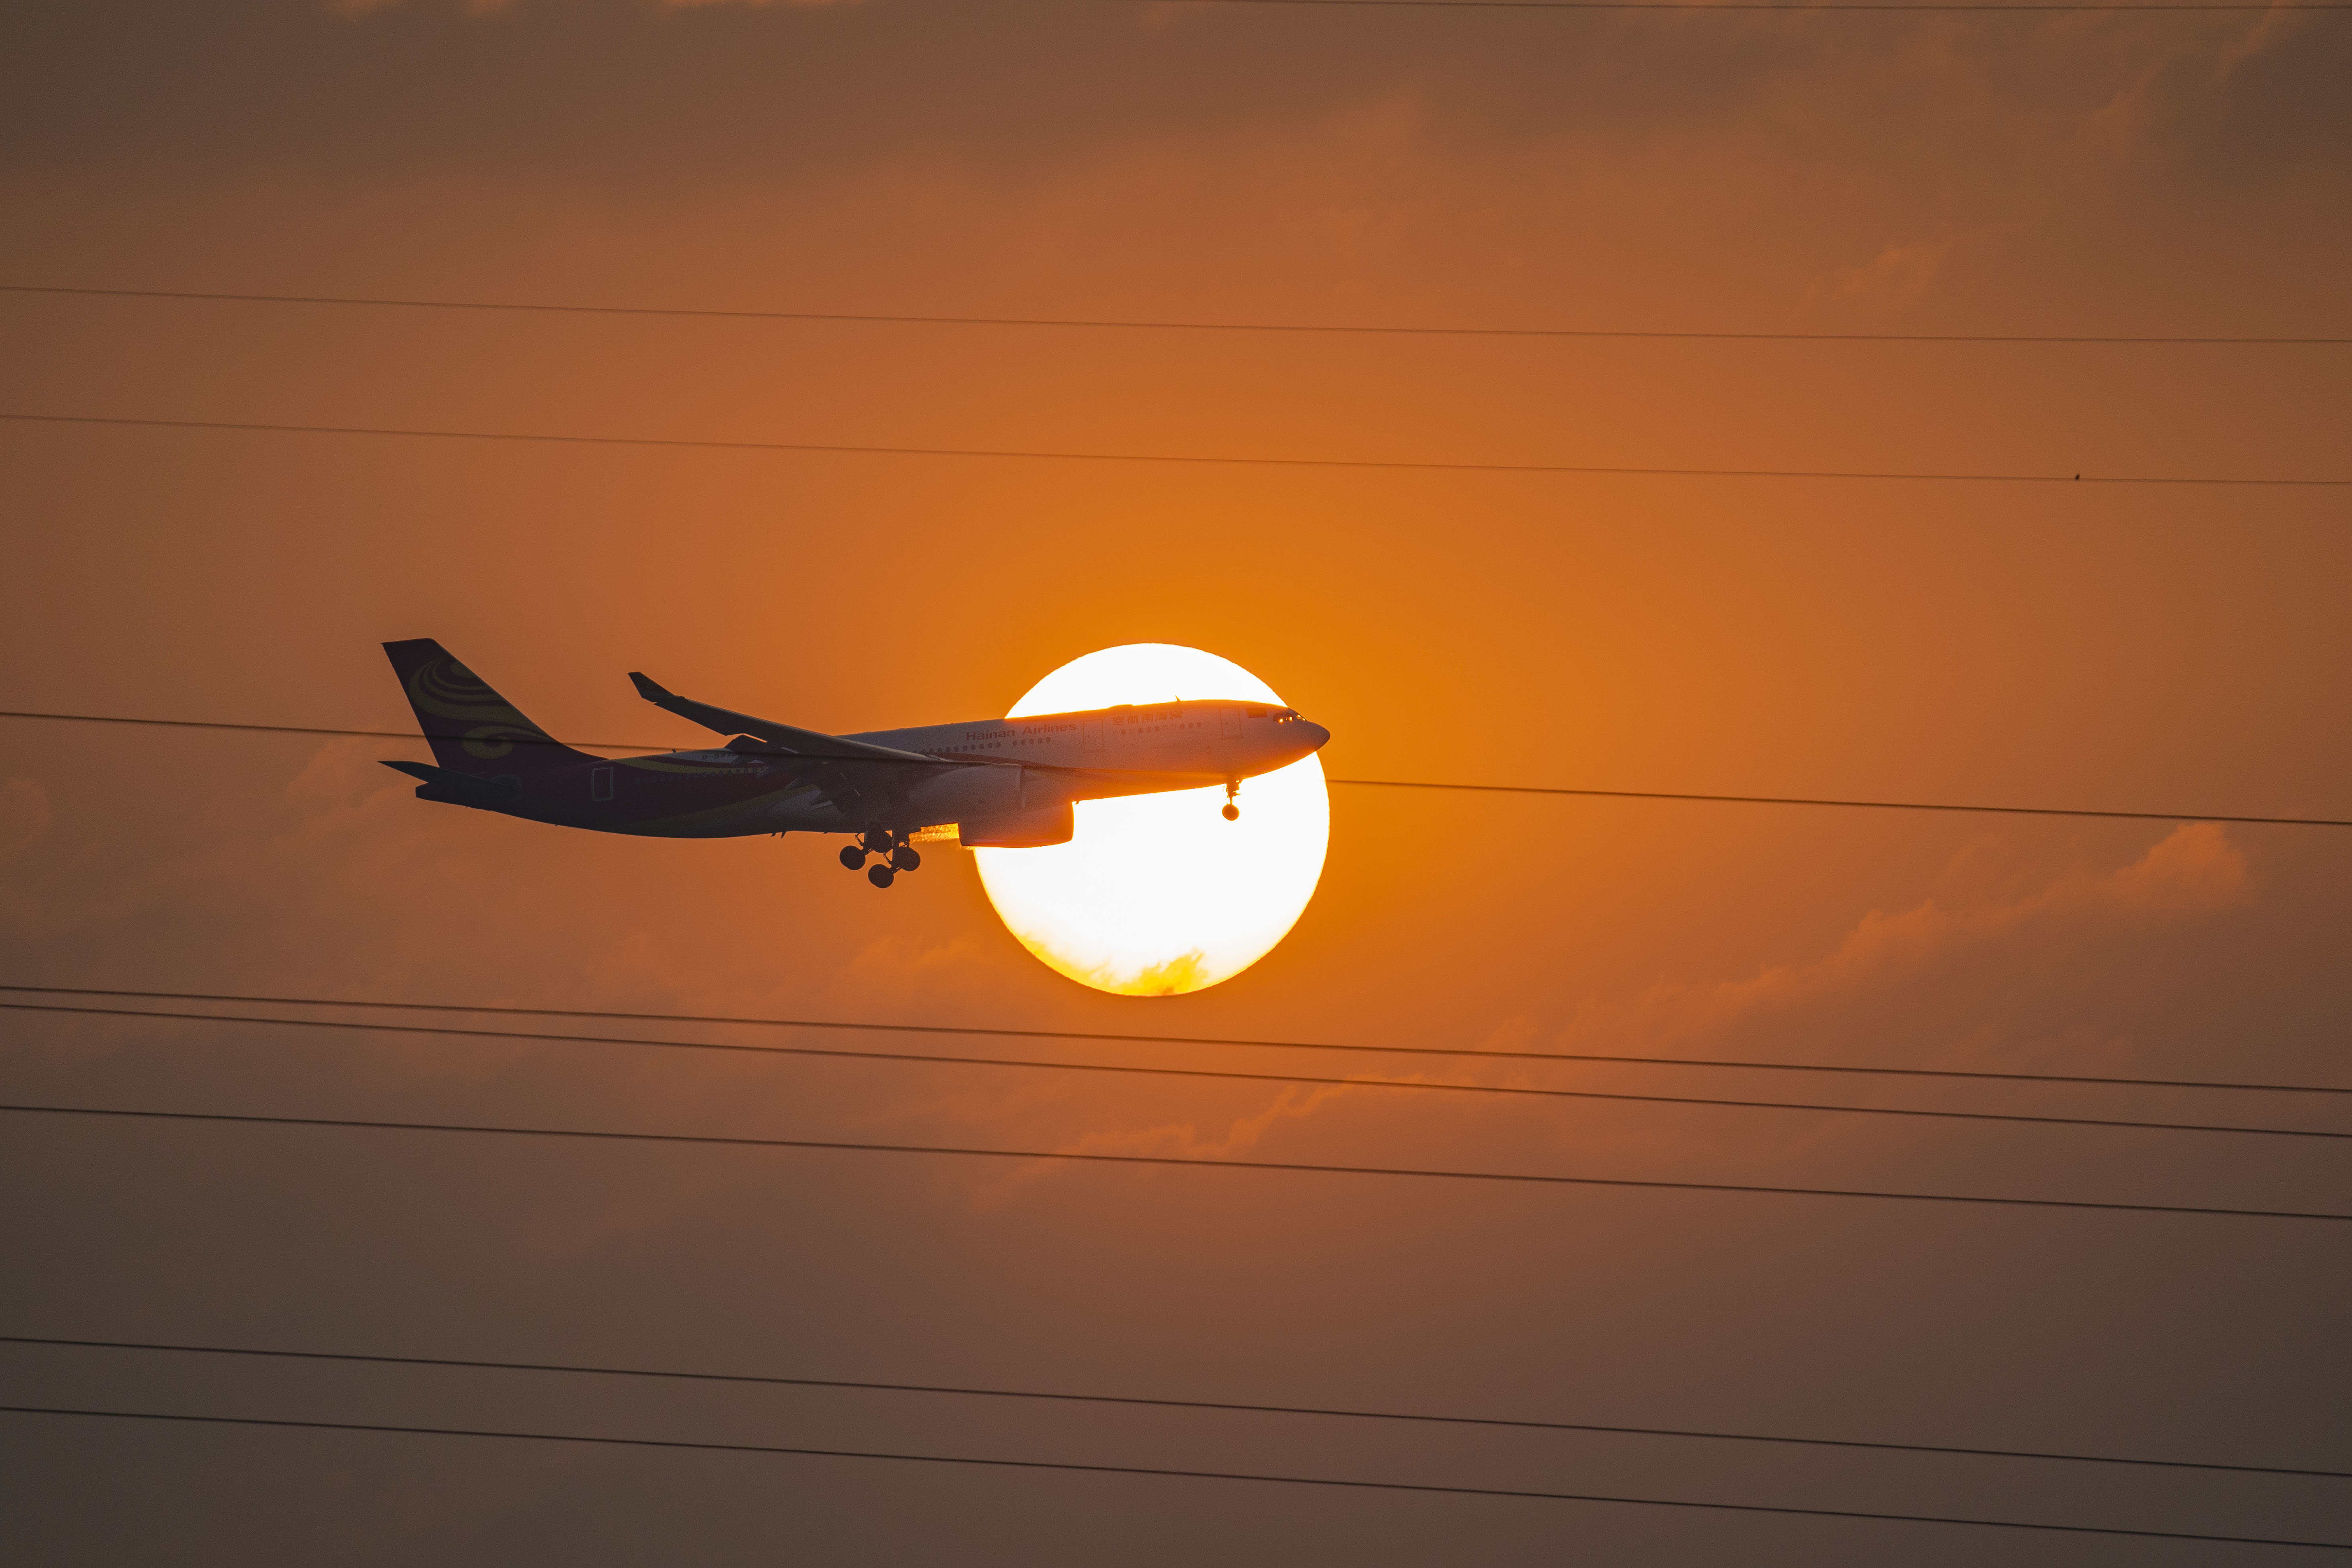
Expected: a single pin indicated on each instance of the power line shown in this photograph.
(1083, 1035)
(841, 1146)
(360, 734)
(1136, 325)
(1101, 1469)
(1230, 1406)
(1131, 1069)
(1350, 784)
(1796, 6)
(1185, 459)
(1847, 804)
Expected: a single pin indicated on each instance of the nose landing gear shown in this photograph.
(1233, 812)
(897, 855)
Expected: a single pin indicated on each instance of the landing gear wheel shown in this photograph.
(1233, 812)
(852, 856)
(904, 858)
(880, 875)
(877, 841)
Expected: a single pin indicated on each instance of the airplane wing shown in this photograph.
(787, 738)
(862, 779)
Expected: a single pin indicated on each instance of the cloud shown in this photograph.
(25, 819)
(1898, 275)
(356, 8)
(2003, 964)
(24, 816)
(1179, 1140)
(2195, 870)
(488, 7)
(1183, 1141)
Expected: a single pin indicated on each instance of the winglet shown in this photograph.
(701, 713)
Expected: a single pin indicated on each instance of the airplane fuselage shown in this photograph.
(1014, 767)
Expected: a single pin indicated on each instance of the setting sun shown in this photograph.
(1158, 894)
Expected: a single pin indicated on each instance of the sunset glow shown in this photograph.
(1815, 541)
(1158, 894)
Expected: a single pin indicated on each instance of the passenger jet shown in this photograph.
(1004, 784)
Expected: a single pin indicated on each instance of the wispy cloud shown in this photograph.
(2195, 870)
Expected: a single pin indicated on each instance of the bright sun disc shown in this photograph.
(1158, 894)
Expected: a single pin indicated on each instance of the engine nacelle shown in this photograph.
(955, 795)
(997, 808)
(1020, 830)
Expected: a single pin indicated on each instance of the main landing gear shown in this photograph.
(1233, 812)
(897, 855)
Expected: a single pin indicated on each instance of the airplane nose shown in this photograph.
(1316, 735)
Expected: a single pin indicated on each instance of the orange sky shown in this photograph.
(2139, 647)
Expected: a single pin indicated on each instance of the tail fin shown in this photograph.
(472, 729)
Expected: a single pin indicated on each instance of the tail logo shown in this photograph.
(489, 742)
(447, 690)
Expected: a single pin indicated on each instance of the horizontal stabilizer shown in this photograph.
(460, 789)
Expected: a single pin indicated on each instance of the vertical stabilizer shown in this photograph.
(472, 729)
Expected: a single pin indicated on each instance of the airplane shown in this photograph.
(1006, 784)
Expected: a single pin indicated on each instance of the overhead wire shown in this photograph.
(1180, 459)
(1848, 804)
(1102, 1035)
(1548, 790)
(1146, 1402)
(1132, 324)
(1074, 1467)
(1139, 1071)
(1792, 7)
(828, 1145)
(1095, 1034)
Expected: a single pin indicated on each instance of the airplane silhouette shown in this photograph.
(992, 783)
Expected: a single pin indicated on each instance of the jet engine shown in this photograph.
(1019, 830)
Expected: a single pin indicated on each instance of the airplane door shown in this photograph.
(1231, 719)
(1093, 735)
(600, 783)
